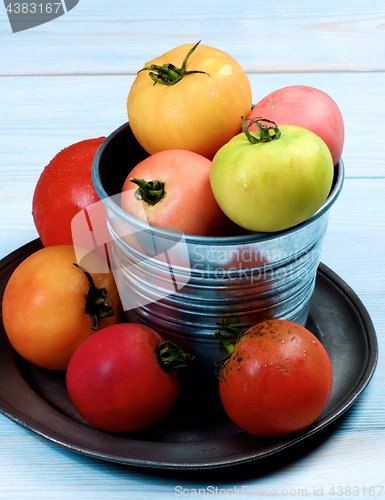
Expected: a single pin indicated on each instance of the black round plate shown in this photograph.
(197, 434)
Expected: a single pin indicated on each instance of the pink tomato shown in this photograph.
(172, 190)
(306, 107)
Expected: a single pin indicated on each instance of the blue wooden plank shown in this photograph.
(263, 38)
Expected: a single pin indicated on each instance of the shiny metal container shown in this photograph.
(183, 286)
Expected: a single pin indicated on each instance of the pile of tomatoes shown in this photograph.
(271, 166)
(216, 166)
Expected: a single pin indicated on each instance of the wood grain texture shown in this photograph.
(68, 80)
(263, 37)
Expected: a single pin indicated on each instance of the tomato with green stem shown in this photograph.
(124, 378)
(171, 189)
(272, 179)
(276, 379)
(51, 305)
(190, 98)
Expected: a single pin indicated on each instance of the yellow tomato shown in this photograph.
(190, 98)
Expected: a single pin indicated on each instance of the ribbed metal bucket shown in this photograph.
(183, 286)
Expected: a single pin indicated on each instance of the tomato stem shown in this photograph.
(229, 345)
(150, 192)
(168, 74)
(98, 302)
(170, 356)
(265, 134)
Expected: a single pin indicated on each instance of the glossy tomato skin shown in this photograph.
(199, 113)
(44, 306)
(272, 186)
(64, 188)
(306, 107)
(116, 383)
(188, 204)
(278, 379)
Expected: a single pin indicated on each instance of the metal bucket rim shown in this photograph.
(204, 240)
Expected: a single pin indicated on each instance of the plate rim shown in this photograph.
(331, 416)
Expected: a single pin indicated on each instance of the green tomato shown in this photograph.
(274, 185)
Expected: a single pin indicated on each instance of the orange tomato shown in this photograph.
(47, 307)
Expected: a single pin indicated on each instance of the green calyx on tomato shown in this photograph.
(229, 345)
(98, 303)
(199, 114)
(170, 356)
(168, 74)
(149, 191)
(264, 130)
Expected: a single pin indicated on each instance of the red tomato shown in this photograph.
(277, 380)
(116, 381)
(305, 107)
(49, 306)
(186, 201)
(65, 188)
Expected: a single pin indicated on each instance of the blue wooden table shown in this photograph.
(68, 80)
